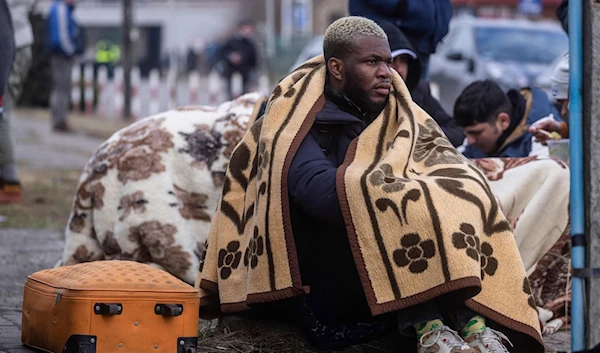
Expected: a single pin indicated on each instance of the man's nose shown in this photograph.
(384, 71)
(470, 140)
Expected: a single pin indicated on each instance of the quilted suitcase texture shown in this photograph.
(108, 307)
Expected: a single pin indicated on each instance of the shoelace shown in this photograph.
(454, 340)
(493, 343)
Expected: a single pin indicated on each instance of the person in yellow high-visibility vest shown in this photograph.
(107, 54)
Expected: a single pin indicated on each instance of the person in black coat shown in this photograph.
(239, 56)
(407, 63)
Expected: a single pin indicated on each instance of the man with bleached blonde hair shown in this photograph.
(346, 205)
(358, 59)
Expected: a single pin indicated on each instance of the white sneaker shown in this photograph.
(489, 341)
(443, 340)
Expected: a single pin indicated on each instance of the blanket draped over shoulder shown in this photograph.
(421, 219)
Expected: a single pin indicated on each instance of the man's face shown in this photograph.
(400, 64)
(484, 135)
(366, 74)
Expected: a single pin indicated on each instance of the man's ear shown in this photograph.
(335, 67)
(503, 121)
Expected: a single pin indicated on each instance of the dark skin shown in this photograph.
(364, 75)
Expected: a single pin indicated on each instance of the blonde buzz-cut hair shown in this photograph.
(342, 34)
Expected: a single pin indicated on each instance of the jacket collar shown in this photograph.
(522, 102)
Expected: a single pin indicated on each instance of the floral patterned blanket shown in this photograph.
(149, 192)
(421, 219)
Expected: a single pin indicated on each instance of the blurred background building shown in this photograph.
(186, 35)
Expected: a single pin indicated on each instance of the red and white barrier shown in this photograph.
(76, 88)
(194, 86)
(118, 92)
(101, 82)
(172, 88)
(136, 104)
(237, 85)
(88, 88)
(154, 82)
(214, 87)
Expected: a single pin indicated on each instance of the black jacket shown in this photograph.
(245, 48)
(326, 262)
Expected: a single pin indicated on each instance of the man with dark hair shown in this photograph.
(407, 63)
(497, 123)
(239, 56)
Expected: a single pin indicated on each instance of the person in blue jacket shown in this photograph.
(497, 124)
(64, 42)
(424, 22)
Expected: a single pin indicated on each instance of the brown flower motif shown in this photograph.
(263, 159)
(432, 146)
(414, 253)
(138, 164)
(466, 239)
(203, 145)
(229, 259)
(528, 291)
(254, 250)
(134, 202)
(77, 222)
(192, 205)
(203, 258)
(489, 264)
(385, 177)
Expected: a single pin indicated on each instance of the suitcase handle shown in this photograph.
(168, 310)
(108, 309)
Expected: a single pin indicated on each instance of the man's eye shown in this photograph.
(372, 62)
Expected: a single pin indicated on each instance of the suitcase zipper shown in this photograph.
(58, 296)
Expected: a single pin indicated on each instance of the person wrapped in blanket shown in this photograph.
(335, 312)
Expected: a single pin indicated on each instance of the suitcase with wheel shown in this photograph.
(108, 307)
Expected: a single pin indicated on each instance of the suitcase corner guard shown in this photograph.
(81, 344)
(187, 344)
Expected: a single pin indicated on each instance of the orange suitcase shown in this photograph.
(109, 307)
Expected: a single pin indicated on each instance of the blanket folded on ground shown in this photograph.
(421, 219)
(149, 192)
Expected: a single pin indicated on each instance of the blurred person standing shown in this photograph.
(239, 56)
(23, 39)
(7, 55)
(424, 22)
(65, 42)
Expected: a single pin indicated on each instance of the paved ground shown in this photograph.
(24, 251)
